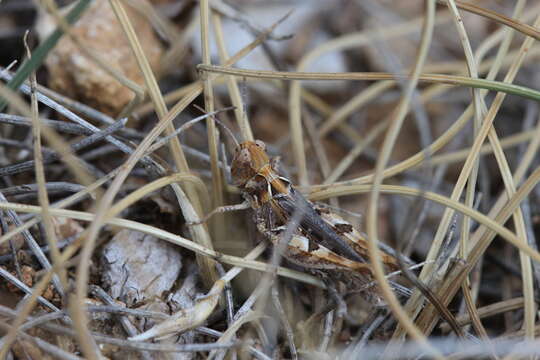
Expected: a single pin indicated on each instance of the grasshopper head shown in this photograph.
(249, 158)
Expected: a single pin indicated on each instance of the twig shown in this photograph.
(55, 351)
(60, 126)
(22, 145)
(355, 349)
(489, 310)
(33, 245)
(77, 119)
(45, 249)
(95, 137)
(135, 345)
(228, 296)
(229, 11)
(217, 334)
(124, 320)
(29, 190)
(6, 275)
(286, 324)
(13, 255)
(327, 331)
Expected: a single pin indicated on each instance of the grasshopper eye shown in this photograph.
(260, 144)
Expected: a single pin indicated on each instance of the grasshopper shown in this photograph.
(323, 243)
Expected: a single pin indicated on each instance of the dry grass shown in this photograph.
(467, 194)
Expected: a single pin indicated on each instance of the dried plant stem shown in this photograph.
(285, 321)
(485, 130)
(232, 84)
(451, 132)
(28, 291)
(489, 310)
(71, 162)
(454, 80)
(413, 303)
(501, 211)
(56, 142)
(53, 350)
(471, 183)
(355, 152)
(43, 197)
(60, 126)
(211, 130)
(499, 18)
(506, 142)
(155, 185)
(141, 151)
(398, 117)
(353, 104)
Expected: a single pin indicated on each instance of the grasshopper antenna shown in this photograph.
(189, 124)
(219, 122)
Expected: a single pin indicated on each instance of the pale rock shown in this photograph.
(73, 74)
(139, 267)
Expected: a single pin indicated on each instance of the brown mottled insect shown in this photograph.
(324, 243)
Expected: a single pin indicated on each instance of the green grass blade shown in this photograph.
(41, 52)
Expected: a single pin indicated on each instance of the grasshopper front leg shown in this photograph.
(222, 209)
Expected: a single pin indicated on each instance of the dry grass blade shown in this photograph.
(84, 179)
(467, 168)
(212, 134)
(490, 310)
(454, 80)
(40, 178)
(232, 85)
(479, 110)
(498, 18)
(398, 116)
(432, 298)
